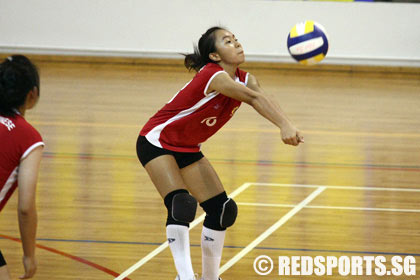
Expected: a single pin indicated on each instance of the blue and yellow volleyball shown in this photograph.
(308, 42)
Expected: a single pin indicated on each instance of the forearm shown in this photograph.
(269, 109)
(27, 225)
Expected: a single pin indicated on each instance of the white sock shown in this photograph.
(211, 246)
(179, 242)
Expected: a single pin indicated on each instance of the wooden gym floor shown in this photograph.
(353, 188)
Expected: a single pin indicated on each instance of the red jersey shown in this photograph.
(17, 139)
(192, 116)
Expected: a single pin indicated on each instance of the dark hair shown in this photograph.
(18, 76)
(206, 45)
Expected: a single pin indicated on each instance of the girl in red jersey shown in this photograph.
(169, 146)
(20, 152)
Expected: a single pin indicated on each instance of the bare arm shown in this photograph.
(261, 102)
(27, 214)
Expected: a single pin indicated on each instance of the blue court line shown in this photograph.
(415, 168)
(337, 251)
(234, 247)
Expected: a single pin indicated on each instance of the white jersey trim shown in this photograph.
(30, 149)
(211, 79)
(154, 134)
(9, 183)
(246, 79)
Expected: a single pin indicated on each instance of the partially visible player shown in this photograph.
(21, 149)
(169, 146)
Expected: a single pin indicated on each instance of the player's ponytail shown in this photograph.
(17, 77)
(206, 46)
(193, 60)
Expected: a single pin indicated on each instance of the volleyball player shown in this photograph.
(169, 146)
(21, 149)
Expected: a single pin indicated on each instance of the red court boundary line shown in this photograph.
(52, 250)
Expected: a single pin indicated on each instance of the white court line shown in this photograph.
(272, 229)
(164, 245)
(338, 187)
(329, 207)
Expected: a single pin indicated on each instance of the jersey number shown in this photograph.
(210, 121)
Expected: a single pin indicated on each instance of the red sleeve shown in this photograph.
(205, 76)
(243, 76)
(194, 90)
(29, 139)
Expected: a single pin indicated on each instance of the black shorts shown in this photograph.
(2, 260)
(147, 151)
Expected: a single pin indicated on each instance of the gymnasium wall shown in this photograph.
(361, 33)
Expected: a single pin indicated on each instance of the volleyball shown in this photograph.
(308, 42)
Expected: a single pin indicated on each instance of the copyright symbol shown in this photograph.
(263, 265)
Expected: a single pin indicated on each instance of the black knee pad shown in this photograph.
(221, 212)
(181, 207)
(229, 213)
(2, 260)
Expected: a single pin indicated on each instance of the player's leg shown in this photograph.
(221, 212)
(181, 206)
(4, 272)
